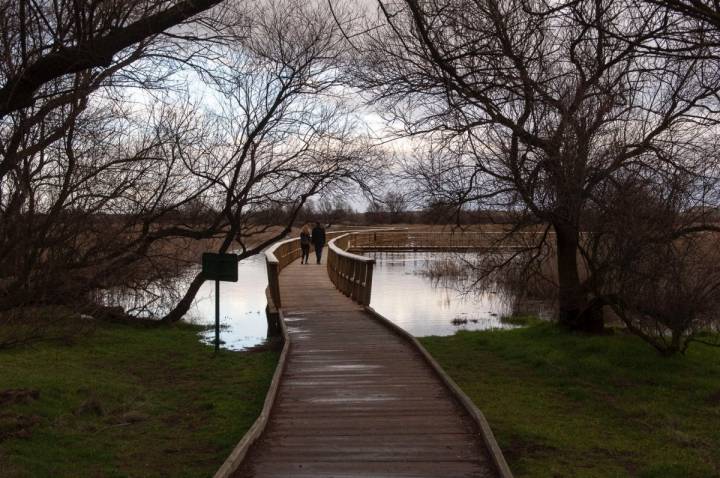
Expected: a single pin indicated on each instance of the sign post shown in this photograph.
(217, 315)
(219, 267)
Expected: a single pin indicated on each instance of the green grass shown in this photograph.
(126, 401)
(519, 320)
(565, 405)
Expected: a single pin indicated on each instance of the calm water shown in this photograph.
(242, 304)
(242, 307)
(403, 293)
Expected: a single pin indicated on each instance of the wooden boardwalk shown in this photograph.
(356, 400)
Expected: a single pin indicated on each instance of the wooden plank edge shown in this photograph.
(236, 457)
(488, 437)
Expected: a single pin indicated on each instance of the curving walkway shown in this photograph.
(356, 400)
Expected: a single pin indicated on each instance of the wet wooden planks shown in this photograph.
(356, 400)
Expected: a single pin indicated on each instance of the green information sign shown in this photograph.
(219, 267)
(222, 267)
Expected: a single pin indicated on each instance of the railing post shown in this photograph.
(354, 281)
(276, 275)
(368, 283)
(274, 282)
(347, 276)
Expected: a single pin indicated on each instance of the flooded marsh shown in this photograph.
(420, 291)
(426, 294)
(242, 304)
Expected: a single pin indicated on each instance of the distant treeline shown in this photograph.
(339, 212)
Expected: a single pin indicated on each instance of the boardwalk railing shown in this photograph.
(407, 240)
(283, 253)
(350, 273)
(279, 256)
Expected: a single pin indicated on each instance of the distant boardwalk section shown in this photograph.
(412, 240)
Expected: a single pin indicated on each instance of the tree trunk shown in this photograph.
(184, 305)
(575, 311)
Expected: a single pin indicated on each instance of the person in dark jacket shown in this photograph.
(318, 240)
(305, 244)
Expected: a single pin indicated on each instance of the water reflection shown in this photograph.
(242, 307)
(242, 304)
(403, 292)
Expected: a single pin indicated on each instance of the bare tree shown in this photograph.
(388, 209)
(333, 210)
(79, 164)
(706, 13)
(103, 190)
(45, 41)
(396, 205)
(283, 136)
(534, 105)
(653, 259)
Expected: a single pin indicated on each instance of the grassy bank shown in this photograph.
(563, 405)
(126, 401)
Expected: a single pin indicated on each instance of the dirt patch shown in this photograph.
(15, 425)
(714, 398)
(18, 395)
(91, 406)
(521, 446)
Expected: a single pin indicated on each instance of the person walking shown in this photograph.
(318, 240)
(305, 244)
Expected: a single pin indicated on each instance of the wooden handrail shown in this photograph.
(335, 246)
(351, 273)
(280, 255)
(409, 240)
(276, 258)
